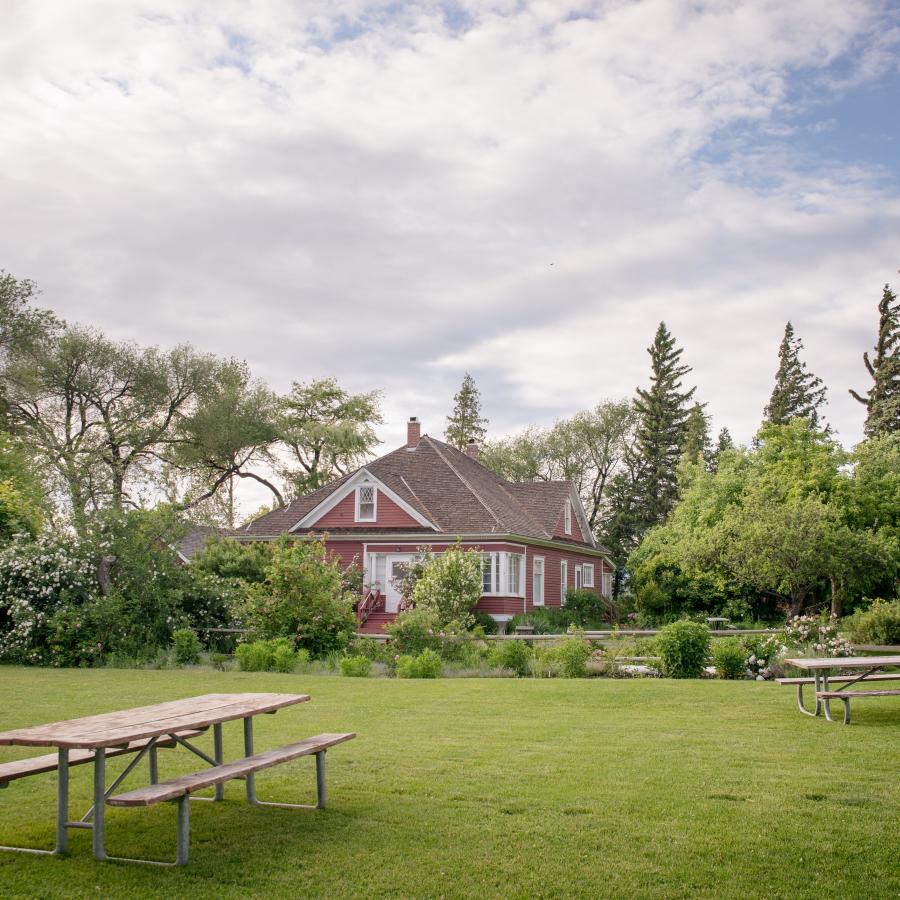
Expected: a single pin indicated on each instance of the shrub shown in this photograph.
(683, 647)
(426, 665)
(816, 635)
(450, 584)
(544, 620)
(573, 654)
(729, 658)
(377, 651)
(256, 657)
(487, 622)
(302, 599)
(414, 630)
(186, 647)
(284, 657)
(227, 558)
(586, 607)
(356, 666)
(879, 624)
(514, 655)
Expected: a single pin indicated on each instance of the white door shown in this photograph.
(392, 596)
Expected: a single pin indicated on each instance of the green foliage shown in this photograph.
(512, 654)
(573, 654)
(326, 431)
(587, 608)
(228, 558)
(426, 665)
(544, 620)
(729, 657)
(879, 624)
(414, 630)
(486, 622)
(466, 423)
(377, 651)
(683, 647)
(186, 647)
(356, 666)
(663, 413)
(450, 584)
(882, 399)
(265, 656)
(303, 599)
(797, 392)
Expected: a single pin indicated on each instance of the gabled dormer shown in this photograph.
(363, 501)
(572, 524)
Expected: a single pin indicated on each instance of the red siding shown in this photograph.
(345, 551)
(389, 515)
(577, 532)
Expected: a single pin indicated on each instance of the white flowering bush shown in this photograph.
(38, 579)
(816, 636)
(765, 656)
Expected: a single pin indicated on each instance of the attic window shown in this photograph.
(568, 517)
(365, 503)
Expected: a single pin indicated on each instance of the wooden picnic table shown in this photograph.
(145, 724)
(823, 669)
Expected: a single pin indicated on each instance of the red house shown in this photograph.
(534, 537)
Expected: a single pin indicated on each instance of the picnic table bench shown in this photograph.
(142, 731)
(863, 669)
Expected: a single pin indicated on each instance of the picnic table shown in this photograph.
(862, 669)
(142, 731)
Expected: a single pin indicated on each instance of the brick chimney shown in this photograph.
(472, 448)
(413, 433)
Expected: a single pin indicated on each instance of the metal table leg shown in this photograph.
(62, 802)
(248, 751)
(219, 754)
(99, 812)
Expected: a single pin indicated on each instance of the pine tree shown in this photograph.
(466, 423)
(697, 446)
(883, 399)
(797, 393)
(663, 414)
(723, 443)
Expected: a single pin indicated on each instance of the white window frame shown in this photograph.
(563, 580)
(515, 561)
(493, 560)
(567, 517)
(606, 583)
(578, 578)
(357, 517)
(538, 562)
(587, 575)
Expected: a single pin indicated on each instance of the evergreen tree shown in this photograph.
(723, 443)
(798, 393)
(466, 423)
(883, 399)
(662, 425)
(697, 446)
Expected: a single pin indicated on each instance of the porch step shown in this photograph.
(376, 622)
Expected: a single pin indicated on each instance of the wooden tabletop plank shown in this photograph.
(110, 729)
(844, 662)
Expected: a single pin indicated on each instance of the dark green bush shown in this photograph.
(879, 624)
(487, 622)
(544, 620)
(355, 666)
(414, 631)
(729, 658)
(683, 647)
(186, 647)
(264, 656)
(587, 608)
(512, 654)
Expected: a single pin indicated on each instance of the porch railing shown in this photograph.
(372, 602)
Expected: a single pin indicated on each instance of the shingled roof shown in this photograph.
(448, 488)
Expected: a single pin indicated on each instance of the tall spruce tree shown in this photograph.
(797, 393)
(697, 445)
(662, 425)
(466, 423)
(723, 443)
(882, 400)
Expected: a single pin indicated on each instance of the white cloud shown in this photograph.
(391, 194)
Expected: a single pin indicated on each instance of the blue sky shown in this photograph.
(394, 194)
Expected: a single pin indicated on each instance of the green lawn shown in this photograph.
(491, 787)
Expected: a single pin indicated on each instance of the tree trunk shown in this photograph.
(838, 590)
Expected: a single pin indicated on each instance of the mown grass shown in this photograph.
(461, 788)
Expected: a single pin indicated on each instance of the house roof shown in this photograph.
(448, 488)
(197, 537)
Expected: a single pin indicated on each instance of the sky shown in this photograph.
(396, 193)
